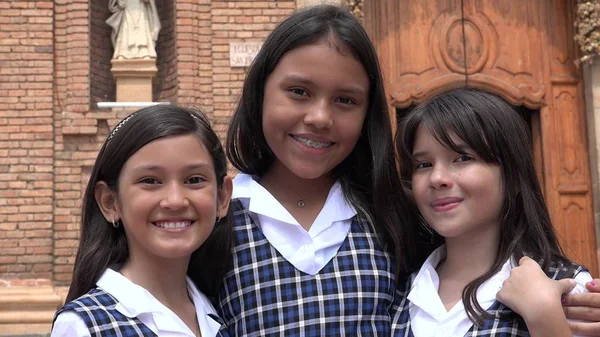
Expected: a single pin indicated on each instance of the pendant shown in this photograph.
(301, 203)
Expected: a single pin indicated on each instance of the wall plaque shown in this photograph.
(241, 54)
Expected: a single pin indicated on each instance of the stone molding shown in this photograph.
(29, 310)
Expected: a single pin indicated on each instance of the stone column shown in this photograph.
(591, 74)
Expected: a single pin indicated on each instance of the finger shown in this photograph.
(582, 313)
(501, 296)
(566, 285)
(525, 259)
(583, 300)
(593, 286)
(585, 328)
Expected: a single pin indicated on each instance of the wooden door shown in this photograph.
(525, 53)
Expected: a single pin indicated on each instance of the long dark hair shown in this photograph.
(499, 135)
(369, 175)
(102, 245)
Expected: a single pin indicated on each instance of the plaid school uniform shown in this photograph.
(265, 295)
(503, 323)
(97, 309)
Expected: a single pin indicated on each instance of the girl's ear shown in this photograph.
(224, 197)
(107, 202)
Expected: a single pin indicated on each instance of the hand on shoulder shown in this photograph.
(530, 293)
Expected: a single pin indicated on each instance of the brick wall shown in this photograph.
(102, 86)
(26, 140)
(165, 87)
(71, 57)
(72, 103)
(54, 67)
(202, 71)
(237, 21)
(193, 52)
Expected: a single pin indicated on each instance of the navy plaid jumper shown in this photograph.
(265, 295)
(97, 309)
(504, 323)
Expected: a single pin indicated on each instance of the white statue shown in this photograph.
(135, 26)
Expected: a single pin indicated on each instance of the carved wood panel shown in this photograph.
(523, 52)
(419, 44)
(513, 42)
(565, 139)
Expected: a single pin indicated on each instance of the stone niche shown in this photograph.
(106, 76)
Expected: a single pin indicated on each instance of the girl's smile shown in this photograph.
(173, 225)
(445, 204)
(310, 146)
(313, 141)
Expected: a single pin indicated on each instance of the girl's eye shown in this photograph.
(464, 157)
(149, 181)
(346, 100)
(299, 91)
(422, 165)
(196, 180)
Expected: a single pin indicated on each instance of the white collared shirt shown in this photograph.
(309, 251)
(135, 301)
(428, 316)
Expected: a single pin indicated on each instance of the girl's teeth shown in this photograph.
(170, 225)
(312, 143)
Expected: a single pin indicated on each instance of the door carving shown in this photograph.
(524, 53)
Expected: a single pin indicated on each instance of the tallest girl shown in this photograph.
(322, 232)
(311, 137)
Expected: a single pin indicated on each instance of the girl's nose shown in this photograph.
(174, 197)
(440, 178)
(320, 115)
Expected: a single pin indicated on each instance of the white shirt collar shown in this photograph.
(428, 312)
(135, 301)
(260, 201)
(308, 251)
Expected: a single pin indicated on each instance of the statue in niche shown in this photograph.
(135, 26)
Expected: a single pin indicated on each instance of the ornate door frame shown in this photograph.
(523, 53)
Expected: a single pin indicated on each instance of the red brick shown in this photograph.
(49, 128)
(7, 245)
(4, 259)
